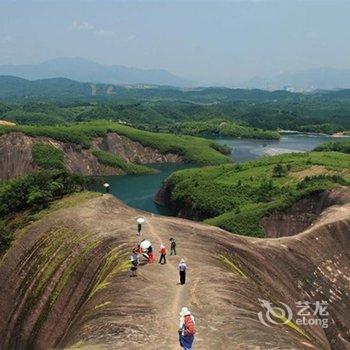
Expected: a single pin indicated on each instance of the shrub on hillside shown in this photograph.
(335, 146)
(47, 156)
(36, 190)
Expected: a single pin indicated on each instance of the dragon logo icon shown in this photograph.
(274, 315)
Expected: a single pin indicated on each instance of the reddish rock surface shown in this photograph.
(133, 151)
(62, 283)
(16, 154)
(303, 213)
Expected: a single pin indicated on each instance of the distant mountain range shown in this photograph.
(63, 89)
(306, 80)
(87, 71)
(15, 89)
(82, 70)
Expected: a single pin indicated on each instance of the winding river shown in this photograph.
(138, 191)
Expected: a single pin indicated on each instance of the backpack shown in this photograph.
(190, 327)
(173, 244)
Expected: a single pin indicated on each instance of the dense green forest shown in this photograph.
(246, 113)
(240, 119)
(236, 197)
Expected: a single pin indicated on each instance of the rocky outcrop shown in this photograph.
(303, 213)
(16, 154)
(133, 151)
(63, 284)
(16, 157)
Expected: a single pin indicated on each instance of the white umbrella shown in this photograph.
(145, 244)
(106, 184)
(140, 220)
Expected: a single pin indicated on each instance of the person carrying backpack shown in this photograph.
(172, 246)
(187, 329)
(182, 271)
(162, 252)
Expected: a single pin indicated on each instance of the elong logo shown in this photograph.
(283, 314)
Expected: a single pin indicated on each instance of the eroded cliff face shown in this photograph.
(63, 283)
(133, 151)
(292, 221)
(303, 213)
(16, 154)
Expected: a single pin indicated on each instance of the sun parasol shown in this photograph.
(145, 244)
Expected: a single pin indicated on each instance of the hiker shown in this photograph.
(134, 258)
(151, 257)
(172, 246)
(182, 271)
(138, 249)
(187, 329)
(162, 251)
(106, 186)
(139, 221)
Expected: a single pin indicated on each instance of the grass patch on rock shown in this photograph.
(118, 162)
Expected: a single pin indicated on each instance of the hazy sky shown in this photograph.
(212, 41)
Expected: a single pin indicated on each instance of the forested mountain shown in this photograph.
(58, 89)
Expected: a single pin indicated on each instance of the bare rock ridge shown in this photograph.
(63, 283)
(16, 154)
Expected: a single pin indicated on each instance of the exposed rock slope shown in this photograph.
(63, 283)
(303, 213)
(16, 154)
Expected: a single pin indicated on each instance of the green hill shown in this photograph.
(236, 197)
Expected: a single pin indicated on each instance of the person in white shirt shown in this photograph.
(182, 271)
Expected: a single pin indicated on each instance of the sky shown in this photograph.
(207, 41)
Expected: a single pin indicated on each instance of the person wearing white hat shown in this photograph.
(187, 329)
(106, 186)
(182, 271)
(139, 221)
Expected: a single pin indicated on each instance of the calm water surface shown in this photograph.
(138, 191)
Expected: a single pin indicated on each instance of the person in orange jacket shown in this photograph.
(162, 251)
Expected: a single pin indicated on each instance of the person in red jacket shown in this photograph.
(162, 251)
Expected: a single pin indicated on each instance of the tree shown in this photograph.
(279, 170)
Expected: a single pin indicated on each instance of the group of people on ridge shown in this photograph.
(187, 327)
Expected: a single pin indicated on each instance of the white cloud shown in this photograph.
(83, 26)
